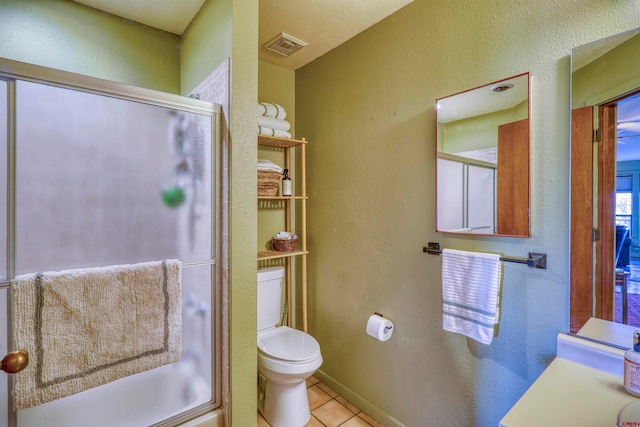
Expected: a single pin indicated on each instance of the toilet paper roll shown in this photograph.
(379, 328)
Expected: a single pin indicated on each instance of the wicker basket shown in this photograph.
(268, 183)
(284, 245)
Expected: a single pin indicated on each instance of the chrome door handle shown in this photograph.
(14, 362)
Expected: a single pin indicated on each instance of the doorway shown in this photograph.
(595, 135)
(627, 211)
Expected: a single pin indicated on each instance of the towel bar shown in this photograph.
(535, 260)
(7, 284)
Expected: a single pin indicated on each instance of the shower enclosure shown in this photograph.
(96, 173)
(469, 194)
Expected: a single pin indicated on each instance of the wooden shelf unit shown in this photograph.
(289, 202)
(281, 197)
(274, 141)
(264, 255)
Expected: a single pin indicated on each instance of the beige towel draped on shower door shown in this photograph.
(87, 327)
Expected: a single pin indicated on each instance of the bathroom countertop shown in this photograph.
(603, 330)
(583, 386)
(570, 394)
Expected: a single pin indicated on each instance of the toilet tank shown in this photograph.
(269, 296)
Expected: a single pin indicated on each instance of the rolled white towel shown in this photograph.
(268, 165)
(273, 123)
(270, 109)
(285, 235)
(273, 132)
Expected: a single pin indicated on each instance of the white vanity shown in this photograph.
(583, 386)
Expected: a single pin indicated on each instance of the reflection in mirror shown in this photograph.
(483, 160)
(605, 180)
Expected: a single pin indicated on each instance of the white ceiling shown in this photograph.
(323, 24)
(483, 100)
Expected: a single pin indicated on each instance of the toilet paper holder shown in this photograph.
(387, 328)
(379, 327)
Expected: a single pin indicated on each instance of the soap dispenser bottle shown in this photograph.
(632, 366)
(286, 183)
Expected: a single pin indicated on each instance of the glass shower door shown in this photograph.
(104, 180)
(451, 213)
(4, 387)
(482, 199)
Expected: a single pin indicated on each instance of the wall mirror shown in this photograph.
(483, 159)
(605, 180)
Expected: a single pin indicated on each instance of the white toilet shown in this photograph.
(286, 358)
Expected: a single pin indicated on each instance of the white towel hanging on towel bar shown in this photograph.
(470, 293)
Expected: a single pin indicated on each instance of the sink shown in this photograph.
(592, 353)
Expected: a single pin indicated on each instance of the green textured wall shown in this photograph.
(243, 213)
(476, 132)
(68, 36)
(206, 44)
(277, 84)
(617, 65)
(367, 109)
(221, 30)
(224, 29)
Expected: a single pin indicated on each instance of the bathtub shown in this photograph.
(140, 400)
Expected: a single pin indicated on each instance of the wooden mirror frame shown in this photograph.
(512, 176)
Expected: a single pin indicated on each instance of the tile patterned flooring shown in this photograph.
(328, 409)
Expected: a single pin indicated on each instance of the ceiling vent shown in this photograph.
(284, 44)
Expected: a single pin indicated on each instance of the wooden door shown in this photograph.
(581, 274)
(512, 196)
(605, 246)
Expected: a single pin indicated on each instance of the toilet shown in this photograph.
(286, 358)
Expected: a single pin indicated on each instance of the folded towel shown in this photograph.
(273, 132)
(84, 328)
(268, 165)
(470, 288)
(273, 123)
(270, 109)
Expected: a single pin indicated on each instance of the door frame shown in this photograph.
(605, 246)
(593, 201)
(582, 197)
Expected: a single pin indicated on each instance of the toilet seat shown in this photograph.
(288, 345)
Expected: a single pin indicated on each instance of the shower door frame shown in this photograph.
(10, 71)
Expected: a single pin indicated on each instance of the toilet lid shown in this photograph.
(288, 344)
